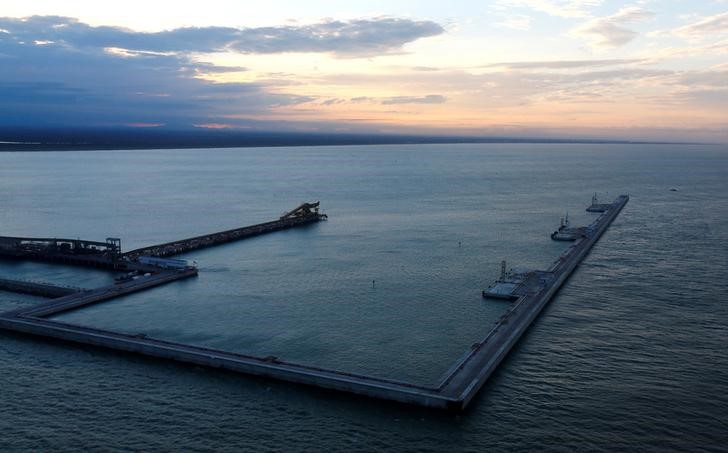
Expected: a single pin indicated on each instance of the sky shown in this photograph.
(642, 69)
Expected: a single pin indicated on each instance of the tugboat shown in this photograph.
(565, 232)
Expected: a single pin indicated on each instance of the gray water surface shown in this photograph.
(630, 354)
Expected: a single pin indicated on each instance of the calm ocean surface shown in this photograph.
(631, 354)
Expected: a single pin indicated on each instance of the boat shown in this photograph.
(566, 232)
(596, 206)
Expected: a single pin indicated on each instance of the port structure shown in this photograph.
(529, 292)
(304, 214)
(40, 289)
(108, 255)
(64, 251)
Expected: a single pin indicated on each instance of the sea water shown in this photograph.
(629, 354)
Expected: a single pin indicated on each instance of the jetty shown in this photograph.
(528, 291)
(104, 255)
(304, 214)
(41, 289)
(108, 254)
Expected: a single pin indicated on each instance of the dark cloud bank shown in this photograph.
(362, 37)
(59, 71)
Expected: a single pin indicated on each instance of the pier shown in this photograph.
(304, 214)
(36, 288)
(76, 252)
(529, 295)
(108, 255)
(89, 297)
(532, 294)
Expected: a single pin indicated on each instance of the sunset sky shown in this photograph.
(591, 68)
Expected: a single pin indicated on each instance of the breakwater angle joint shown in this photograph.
(148, 267)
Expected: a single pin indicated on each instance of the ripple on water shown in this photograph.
(630, 355)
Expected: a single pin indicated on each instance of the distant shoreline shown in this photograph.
(116, 141)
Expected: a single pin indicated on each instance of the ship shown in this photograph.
(566, 232)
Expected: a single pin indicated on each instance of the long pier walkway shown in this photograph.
(108, 255)
(537, 289)
(88, 297)
(454, 392)
(302, 215)
(36, 288)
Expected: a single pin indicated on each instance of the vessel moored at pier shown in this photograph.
(566, 232)
(595, 206)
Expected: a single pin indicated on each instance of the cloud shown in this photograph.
(562, 64)
(60, 71)
(712, 78)
(61, 84)
(516, 22)
(719, 47)
(716, 99)
(393, 100)
(513, 88)
(717, 24)
(368, 37)
(610, 32)
(429, 99)
(559, 8)
(333, 101)
(360, 37)
(215, 126)
(144, 125)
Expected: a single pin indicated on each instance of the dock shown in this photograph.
(529, 295)
(534, 292)
(304, 214)
(77, 252)
(36, 288)
(108, 254)
(89, 297)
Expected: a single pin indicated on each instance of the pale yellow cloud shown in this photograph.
(560, 8)
(612, 31)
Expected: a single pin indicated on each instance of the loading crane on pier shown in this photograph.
(305, 210)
